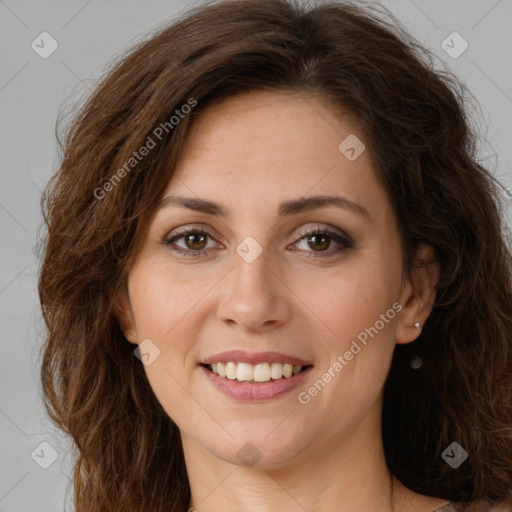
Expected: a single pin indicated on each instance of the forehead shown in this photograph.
(262, 146)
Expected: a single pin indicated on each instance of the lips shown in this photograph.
(241, 356)
(255, 383)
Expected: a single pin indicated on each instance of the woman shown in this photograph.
(274, 276)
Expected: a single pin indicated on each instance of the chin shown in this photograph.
(258, 450)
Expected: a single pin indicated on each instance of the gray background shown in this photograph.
(89, 34)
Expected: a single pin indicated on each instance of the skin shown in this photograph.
(249, 153)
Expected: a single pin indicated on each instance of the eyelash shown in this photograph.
(343, 240)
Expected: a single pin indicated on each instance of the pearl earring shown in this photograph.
(417, 325)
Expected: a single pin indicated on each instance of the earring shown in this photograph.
(128, 334)
(415, 362)
(417, 325)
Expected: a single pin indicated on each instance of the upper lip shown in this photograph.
(241, 356)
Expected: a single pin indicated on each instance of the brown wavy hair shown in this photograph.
(423, 148)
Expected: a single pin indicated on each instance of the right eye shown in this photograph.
(192, 239)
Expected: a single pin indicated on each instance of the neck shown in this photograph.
(327, 475)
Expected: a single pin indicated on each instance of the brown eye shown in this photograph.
(317, 242)
(320, 242)
(195, 241)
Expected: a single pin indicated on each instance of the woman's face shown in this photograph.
(332, 305)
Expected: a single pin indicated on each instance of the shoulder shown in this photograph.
(477, 506)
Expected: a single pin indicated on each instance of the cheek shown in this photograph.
(357, 309)
(166, 307)
(172, 390)
(162, 298)
(352, 299)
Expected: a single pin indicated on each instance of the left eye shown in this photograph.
(195, 242)
(323, 239)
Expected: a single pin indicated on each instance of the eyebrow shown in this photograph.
(286, 208)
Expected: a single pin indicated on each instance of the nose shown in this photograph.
(254, 297)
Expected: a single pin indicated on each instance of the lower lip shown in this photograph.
(255, 392)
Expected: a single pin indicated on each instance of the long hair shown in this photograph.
(98, 205)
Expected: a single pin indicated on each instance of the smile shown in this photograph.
(262, 372)
(250, 376)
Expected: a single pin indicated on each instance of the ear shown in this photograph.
(124, 314)
(418, 295)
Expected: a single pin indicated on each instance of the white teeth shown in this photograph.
(276, 370)
(231, 370)
(262, 372)
(244, 371)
